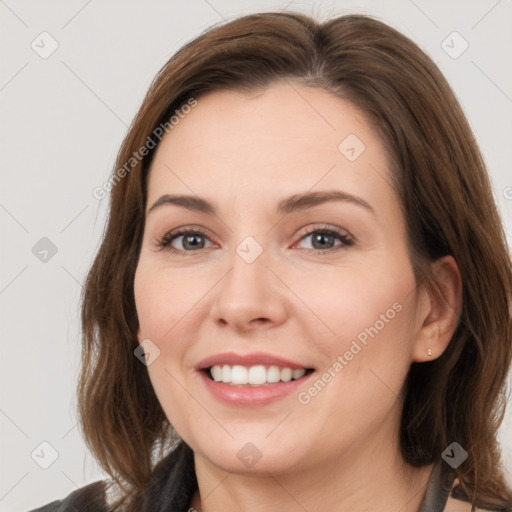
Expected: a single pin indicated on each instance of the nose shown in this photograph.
(250, 296)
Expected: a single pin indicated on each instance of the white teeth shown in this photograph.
(297, 374)
(273, 374)
(286, 374)
(238, 375)
(257, 375)
(216, 373)
(226, 373)
(254, 375)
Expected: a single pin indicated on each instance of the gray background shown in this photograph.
(63, 120)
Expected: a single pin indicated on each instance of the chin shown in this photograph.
(270, 462)
(256, 457)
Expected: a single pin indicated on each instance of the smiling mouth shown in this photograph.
(257, 375)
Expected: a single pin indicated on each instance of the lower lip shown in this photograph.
(251, 395)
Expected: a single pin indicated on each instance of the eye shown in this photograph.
(192, 240)
(324, 237)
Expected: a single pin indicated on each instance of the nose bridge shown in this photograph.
(248, 291)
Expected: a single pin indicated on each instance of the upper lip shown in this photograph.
(256, 358)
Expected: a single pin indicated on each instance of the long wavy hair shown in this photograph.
(447, 201)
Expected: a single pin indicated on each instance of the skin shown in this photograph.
(244, 153)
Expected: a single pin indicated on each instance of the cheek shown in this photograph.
(347, 301)
(364, 328)
(367, 359)
(162, 299)
(162, 308)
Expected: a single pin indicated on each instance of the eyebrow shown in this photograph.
(297, 202)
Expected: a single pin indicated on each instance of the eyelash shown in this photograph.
(164, 243)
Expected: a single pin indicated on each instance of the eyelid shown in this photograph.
(308, 230)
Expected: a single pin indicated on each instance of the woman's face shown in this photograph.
(277, 283)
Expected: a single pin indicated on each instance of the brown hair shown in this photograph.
(446, 198)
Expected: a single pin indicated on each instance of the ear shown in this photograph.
(439, 310)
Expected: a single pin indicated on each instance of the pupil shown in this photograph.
(321, 237)
(192, 237)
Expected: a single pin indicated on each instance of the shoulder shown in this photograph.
(90, 498)
(459, 502)
(444, 493)
(458, 505)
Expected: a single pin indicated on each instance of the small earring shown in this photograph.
(429, 351)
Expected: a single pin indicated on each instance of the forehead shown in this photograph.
(277, 141)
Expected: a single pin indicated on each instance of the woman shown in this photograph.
(302, 298)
